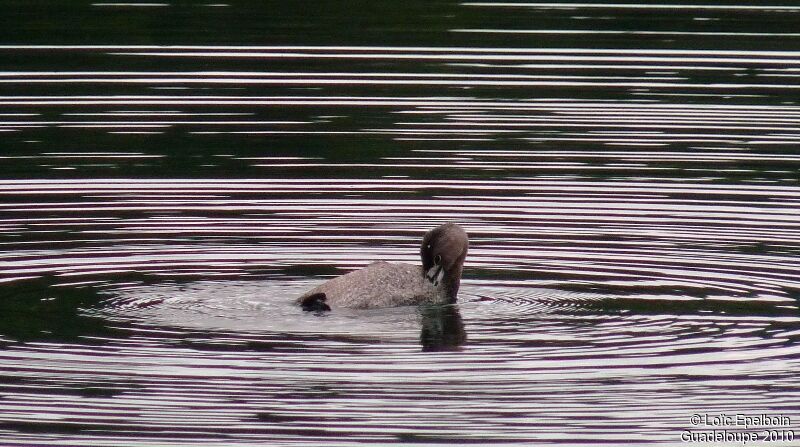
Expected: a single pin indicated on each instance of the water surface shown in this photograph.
(173, 174)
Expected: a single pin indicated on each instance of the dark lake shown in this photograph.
(173, 174)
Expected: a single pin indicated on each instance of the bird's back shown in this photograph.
(381, 284)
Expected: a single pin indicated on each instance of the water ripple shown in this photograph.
(631, 200)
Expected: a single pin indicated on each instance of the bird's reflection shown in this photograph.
(442, 328)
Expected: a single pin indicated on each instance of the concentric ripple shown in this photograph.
(173, 175)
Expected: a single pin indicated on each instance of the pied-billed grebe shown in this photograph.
(384, 284)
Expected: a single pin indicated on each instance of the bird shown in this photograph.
(389, 284)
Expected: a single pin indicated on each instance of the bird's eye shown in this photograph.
(437, 259)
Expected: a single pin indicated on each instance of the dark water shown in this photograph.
(173, 174)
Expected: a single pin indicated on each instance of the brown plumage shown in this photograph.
(384, 284)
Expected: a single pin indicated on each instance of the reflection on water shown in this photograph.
(442, 328)
(174, 174)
